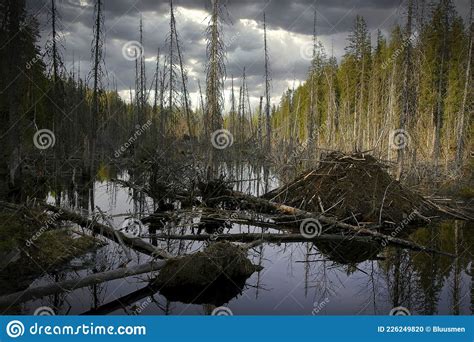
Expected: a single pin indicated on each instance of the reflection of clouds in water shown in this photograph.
(288, 284)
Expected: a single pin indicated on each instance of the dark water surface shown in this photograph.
(297, 278)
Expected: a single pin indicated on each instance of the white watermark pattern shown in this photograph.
(132, 226)
(132, 50)
(140, 130)
(400, 311)
(44, 139)
(413, 38)
(141, 307)
(222, 139)
(306, 51)
(399, 139)
(44, 311)
(222, 311)
(317, 307)
(407, 219)
(51, 220)
(310, 228)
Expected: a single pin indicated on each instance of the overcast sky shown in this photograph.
(289, 30)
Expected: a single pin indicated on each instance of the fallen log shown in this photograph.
(117, 236)
(285, 238)
(268, 207)
(249, 237)
(73, 284)
(197, 268)
(110, 233)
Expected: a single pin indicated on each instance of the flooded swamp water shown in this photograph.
(303, 278)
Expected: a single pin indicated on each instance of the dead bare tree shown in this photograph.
(232, 107)
(312, 103)
(141, 91)
(408, 90)
(173, 64)
(215, 70)
(467, 87)
(260, 121)
(441, 85)
(267, 88)
(156, 88)
(54, 52)
(183, 78)
(96, 74)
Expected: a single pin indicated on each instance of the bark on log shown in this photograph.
(135, 243)
(288, 238)
(73, 284)
(269, 207)
(249, 237)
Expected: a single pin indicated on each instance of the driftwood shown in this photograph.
(276, 238)
(73, 284)
(289, 238)
(110, 233)
(268, 207)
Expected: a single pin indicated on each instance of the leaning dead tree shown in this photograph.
(175, 75)
(74, 284)
(184, 78)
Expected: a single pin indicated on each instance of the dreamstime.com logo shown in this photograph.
(15, 329)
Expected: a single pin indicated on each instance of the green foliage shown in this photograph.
(359, 99)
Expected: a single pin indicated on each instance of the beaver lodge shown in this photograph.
(356, 189)
(351, 198)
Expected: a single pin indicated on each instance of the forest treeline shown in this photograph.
(406, 98)
(418, 80)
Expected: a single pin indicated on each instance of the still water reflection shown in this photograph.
(297, 278)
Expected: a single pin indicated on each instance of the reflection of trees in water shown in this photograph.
(399, 278)
(462, 278)
(416, 280)
(432, 270)
(58, 302)
(410, 279)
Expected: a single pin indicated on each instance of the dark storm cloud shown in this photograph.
(290, 25)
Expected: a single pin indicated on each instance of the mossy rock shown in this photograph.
(28, 247)
(198, 270)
